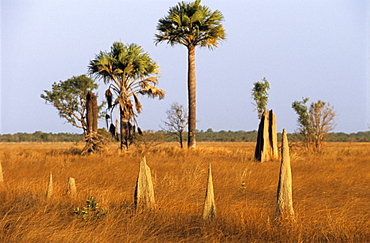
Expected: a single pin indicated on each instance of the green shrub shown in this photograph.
(91, 211)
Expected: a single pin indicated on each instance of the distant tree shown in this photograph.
(69, 98)
(303, 121)
(322, 118)
(130, 72)
(177, 120)
(209, 130)
(314, 122)
(191, 24)
(260, 96)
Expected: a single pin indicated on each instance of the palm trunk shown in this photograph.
(191, 97)
(122, 128)
(180, 137)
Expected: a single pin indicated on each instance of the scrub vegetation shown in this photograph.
(203, 136)
(331, 192)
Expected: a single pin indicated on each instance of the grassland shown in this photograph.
(331, 193)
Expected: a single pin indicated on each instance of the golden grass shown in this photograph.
(331, 193)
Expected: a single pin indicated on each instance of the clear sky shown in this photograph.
(308, 48)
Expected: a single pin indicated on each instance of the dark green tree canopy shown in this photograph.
(69, 98)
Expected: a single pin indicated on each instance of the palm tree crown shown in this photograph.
(191, 24)
(128, 69)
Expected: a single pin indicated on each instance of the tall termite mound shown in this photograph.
(93, 140)
(266, 147)
(2, 184)
(91, 112)
(72, 190)
(50, 190)
(144, 191)
(209, 209)
(284, 207)
(1, 175)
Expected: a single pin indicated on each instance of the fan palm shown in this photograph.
(191, 25)
(129, 71)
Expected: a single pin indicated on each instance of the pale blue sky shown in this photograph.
(306, 48)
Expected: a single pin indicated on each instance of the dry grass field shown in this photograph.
(331, 193)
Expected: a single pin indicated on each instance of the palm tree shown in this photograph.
(191, 25)
(129, 71)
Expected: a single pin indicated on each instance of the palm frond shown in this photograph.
(152, 91)
(138, 105)
(153, 80)
(109, 97)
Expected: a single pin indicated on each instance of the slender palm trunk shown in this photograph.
(191, 97)
(121, 125)
(180, 137)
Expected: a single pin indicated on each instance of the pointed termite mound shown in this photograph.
(209, 210)
(284, 207)
(92, 138)
(144, 192)
(266, 147)
(71, 191)
(2, 185)
(50, 190)
(1, 175)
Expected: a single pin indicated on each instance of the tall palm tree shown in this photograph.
(129, 71)
(191, 25)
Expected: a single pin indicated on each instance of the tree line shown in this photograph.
(164, 136)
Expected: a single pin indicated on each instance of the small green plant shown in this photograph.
(242, 186)
(91, 211)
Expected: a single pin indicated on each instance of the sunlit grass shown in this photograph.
(331, 193)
